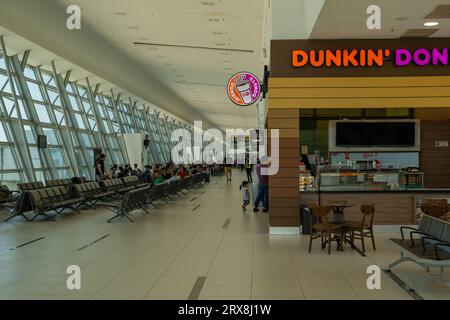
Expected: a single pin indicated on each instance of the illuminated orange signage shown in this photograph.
(368, 57)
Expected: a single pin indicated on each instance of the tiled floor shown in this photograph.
(162, 254)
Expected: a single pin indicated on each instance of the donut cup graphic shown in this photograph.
(243, 88)
(245, 91)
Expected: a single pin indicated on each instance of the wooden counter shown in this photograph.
(391, 207)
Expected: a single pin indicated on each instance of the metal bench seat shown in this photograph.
(116, 185)
(52, 199)
(432, 251)
(30, 185)
(133, 181)
(91, 192)
(132, 200)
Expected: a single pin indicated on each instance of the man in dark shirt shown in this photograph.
(100, 168)
(126, 170)
(146, 175)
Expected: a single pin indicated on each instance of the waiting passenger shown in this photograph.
(147, 175)
(100, 168)
(126, 170)
(120, 173)
(113, 172)
(158, 178)
(134, 171)
(182, 172)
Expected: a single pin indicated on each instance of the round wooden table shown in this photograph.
(338, 208)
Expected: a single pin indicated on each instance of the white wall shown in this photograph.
(134, 145)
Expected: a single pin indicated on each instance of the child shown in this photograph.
(245, 194)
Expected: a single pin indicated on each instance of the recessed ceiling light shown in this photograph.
(431, 24)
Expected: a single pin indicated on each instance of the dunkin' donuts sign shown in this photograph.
(370, 57)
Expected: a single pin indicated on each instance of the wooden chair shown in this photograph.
(363, 229)
(324, 229)
(437, 208)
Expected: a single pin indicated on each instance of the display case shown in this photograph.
(306, 182)
(361, 180)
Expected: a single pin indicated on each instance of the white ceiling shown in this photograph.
(188, 82)
(346, 19)
(294, 19)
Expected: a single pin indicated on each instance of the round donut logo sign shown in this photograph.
(243, 88)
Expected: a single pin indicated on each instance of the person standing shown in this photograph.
(100, 168)
(245, 195)
(228, 168)
(263, 187)
(249, 169)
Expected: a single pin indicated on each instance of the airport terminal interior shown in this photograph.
(224, 150)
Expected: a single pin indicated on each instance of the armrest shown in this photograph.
(422, 240)
(405, 227)
(416, 232)
(436, 249)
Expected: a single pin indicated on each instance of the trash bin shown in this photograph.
(305, 220)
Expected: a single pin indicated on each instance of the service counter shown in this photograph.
(392, 206)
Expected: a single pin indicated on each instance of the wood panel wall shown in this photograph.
(390, 208)
(435, 161)
(288, 95)
(387, 92)
(283, 187)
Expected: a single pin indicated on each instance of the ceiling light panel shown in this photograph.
(419, 33)
(440, 12)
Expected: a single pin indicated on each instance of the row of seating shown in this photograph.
(142, 197)
(433, 249)
(6, 195)
(434, 232)
(43, 200)
(217, 170)
(91, 192)
(26, 186)
(8, 198)
(58, 182)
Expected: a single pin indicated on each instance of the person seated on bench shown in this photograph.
(113, 172)
(182, 172)
(134, 171)
(146, 176)
(158, 178)
(120, 173)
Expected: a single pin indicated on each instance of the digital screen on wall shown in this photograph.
(376, 134)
